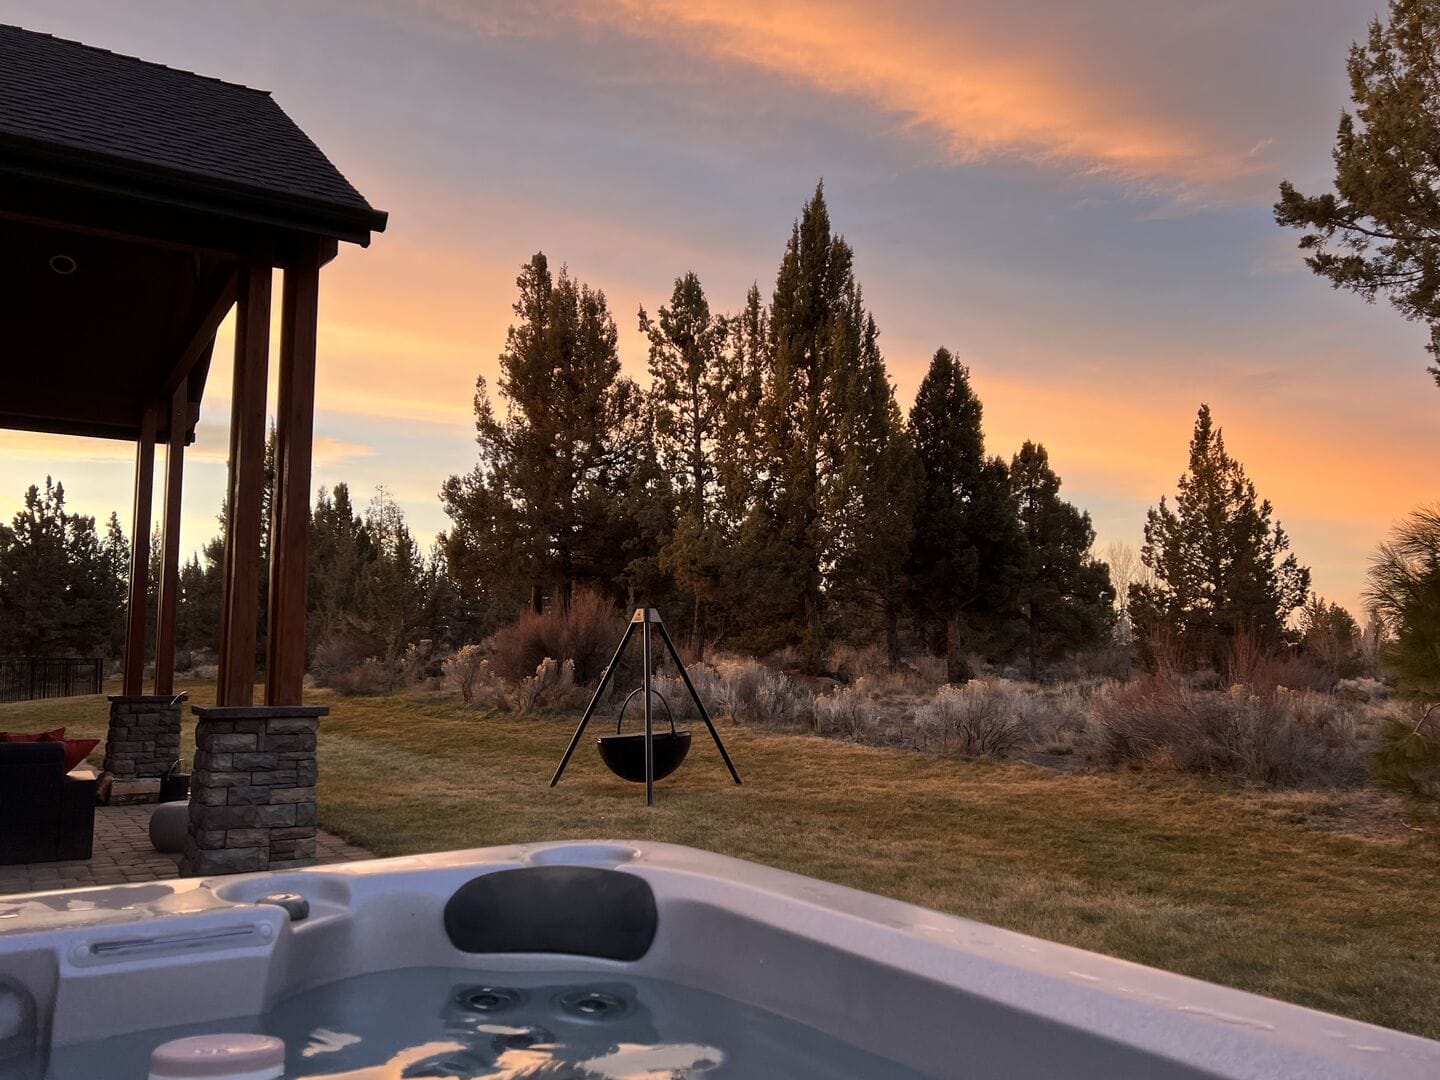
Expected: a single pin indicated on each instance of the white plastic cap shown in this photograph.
(219, 1057)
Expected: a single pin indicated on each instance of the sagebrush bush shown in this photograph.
(470, 672)
(976, 719)
(1280, 739)
(586, 633)
(847, 714)
(750, 693)
(463, 670)
(709, 685)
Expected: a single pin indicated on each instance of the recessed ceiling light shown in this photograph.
(63, 265)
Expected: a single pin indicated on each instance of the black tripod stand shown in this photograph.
(649, 621)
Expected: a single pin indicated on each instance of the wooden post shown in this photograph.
(240, 587)
(170, 542)
(290, 510)
(134, 672)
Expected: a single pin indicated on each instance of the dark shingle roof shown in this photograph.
(64, 95)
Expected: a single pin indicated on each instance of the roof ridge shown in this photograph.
(134, 59)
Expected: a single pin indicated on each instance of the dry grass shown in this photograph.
(1261, 890)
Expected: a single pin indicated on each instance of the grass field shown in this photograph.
(1274, 894)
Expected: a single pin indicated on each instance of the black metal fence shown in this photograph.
(25, 678)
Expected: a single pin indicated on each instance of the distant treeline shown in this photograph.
(765, 490)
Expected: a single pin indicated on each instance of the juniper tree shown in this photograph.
(537, 508)
(1379, 233)
(1220, 565)
(967, 550)
(1064, 594)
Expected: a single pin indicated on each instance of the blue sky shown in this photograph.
(1073, 198)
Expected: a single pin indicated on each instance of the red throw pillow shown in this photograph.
(40, 736)
(76, 750)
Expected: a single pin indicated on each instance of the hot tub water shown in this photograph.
(468, 1025)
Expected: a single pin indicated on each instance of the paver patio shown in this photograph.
(123, 853)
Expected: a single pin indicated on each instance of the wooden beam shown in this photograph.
(169, 597)
(240, 585)
(133, 682)
(214, 296)
(290, 512)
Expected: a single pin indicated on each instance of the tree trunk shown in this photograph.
(697, 632)
(892, 633)
(537, 598)
(957, 670)
(1034, 636)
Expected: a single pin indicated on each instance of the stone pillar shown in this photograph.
(142, 743)
(252, 791)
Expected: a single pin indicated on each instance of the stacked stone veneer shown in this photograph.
(142, 744)
(252, 791)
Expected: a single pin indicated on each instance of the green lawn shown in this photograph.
(1246, 889)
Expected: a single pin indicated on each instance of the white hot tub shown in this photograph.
(608, 960)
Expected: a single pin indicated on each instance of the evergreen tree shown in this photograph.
(538, 509)
(967, 551)
(1404, 595)
(115, 549)
(753, 600)
(197, 619)
(1065, 597)
(876, 494)
(391, 605)
(816, 336)
(686, 398)
(1380, 233)
(1330, 636)
(1220, 565)
(340, 552)
(59, 594)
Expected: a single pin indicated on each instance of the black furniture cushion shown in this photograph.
(45, 815)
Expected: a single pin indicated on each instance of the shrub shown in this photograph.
(977, 719)
(848, 714)
(1278, 739)
(753, 694)
(1362, 689)
(463, 671)
(708, 683)
(337, 661)
(552, 684)
(585, 634)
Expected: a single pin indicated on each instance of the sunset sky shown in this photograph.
(1073, 197)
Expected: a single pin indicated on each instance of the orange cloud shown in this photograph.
(982, 88)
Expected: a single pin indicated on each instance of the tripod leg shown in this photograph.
(704, 714)
(649, 721)
(594, 701)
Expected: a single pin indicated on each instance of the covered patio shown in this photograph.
(139, 205)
